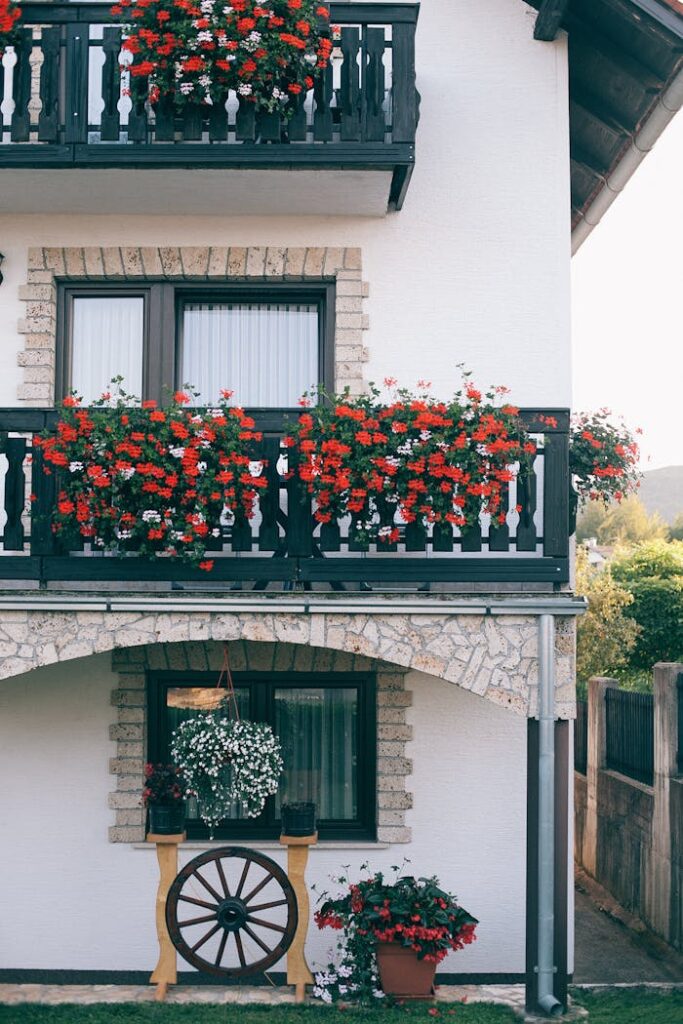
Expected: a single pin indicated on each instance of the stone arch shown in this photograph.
(492, 656)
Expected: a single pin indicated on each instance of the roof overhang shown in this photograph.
(625, 86)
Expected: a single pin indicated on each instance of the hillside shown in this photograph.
(661, 490)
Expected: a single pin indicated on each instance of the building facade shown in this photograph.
(371, 246)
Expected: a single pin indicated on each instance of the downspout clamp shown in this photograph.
(546, 818)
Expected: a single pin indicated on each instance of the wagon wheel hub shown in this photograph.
(232, 914)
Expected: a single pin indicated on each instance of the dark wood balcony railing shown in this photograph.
(68, 105)
(283, 546)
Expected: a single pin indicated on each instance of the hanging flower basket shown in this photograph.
(10, 13)
(413, 459)
(603, 460)
(225, 762)
(195, 51)
(158, 482)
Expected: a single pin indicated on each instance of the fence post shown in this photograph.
(659, 909)
(597, 754)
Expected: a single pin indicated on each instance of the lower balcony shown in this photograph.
(73, 141)
(283, 548)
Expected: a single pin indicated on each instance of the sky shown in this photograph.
(627, 306)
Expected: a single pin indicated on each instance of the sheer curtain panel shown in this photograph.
(265, 353)
(106, 341)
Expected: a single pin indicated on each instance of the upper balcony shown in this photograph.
(283, 547)
(72, 140)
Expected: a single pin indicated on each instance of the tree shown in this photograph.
(606, 635)
(590, 520)
(676, 528)
(652, 572)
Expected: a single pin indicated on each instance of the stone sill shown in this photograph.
(272, 844)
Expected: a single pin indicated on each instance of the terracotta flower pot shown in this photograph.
(402, 974)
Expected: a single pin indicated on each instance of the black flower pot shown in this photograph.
(167, 819)
(298, 819)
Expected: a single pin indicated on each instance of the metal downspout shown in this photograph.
(546, 817)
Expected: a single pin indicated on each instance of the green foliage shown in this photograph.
(652, 558)
(635, 1006)
(606, 636)
(652, 572)
(590, 520)
(676, 528)
(624, 523)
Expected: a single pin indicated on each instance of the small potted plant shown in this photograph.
(298, 819)
(410, 924)
(164, 798)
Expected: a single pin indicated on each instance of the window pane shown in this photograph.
(318, 730)
(267, 354)
(183, 702)
(106, 342)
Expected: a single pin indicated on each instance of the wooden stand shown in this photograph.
(298, 972)
(165, 973)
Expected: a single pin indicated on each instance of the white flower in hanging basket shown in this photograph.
(224, 762)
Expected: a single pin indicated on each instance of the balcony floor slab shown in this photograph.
(235, 191)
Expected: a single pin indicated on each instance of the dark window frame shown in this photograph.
(262, 686)
(163, 310)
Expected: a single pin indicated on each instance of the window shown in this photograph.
(266, 344)
(326, 726)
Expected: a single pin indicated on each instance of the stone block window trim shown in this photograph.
(49, 266)
(129, 730)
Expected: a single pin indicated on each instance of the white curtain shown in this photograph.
(318, 732)
(267, 354)
(107, 342)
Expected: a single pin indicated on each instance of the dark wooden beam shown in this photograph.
(549, 19)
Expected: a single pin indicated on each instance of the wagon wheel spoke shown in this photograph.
(209, 888)
(221, 875)
(197, 903)
(221, 949)
(267, 924)
(259, 942)
(267, 906)
(245, 871)
(262, 884)
(240, 948)
(197, 920)
(206, 938)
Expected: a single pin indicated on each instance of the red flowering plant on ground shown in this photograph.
(10, 13)
(412, 459)
(412, 912)
(603, 457)
(268, 51)
(153, 481)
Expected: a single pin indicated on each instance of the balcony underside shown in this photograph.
(159, 184)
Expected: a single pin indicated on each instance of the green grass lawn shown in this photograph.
(623, 1007)
(634, 1006)
(197, 1014)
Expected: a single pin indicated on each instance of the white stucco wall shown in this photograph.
(474, 269)
(72, 900)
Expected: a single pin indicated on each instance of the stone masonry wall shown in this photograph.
(47, 266)
(129, 730)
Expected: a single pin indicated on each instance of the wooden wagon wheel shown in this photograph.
(236, 893)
